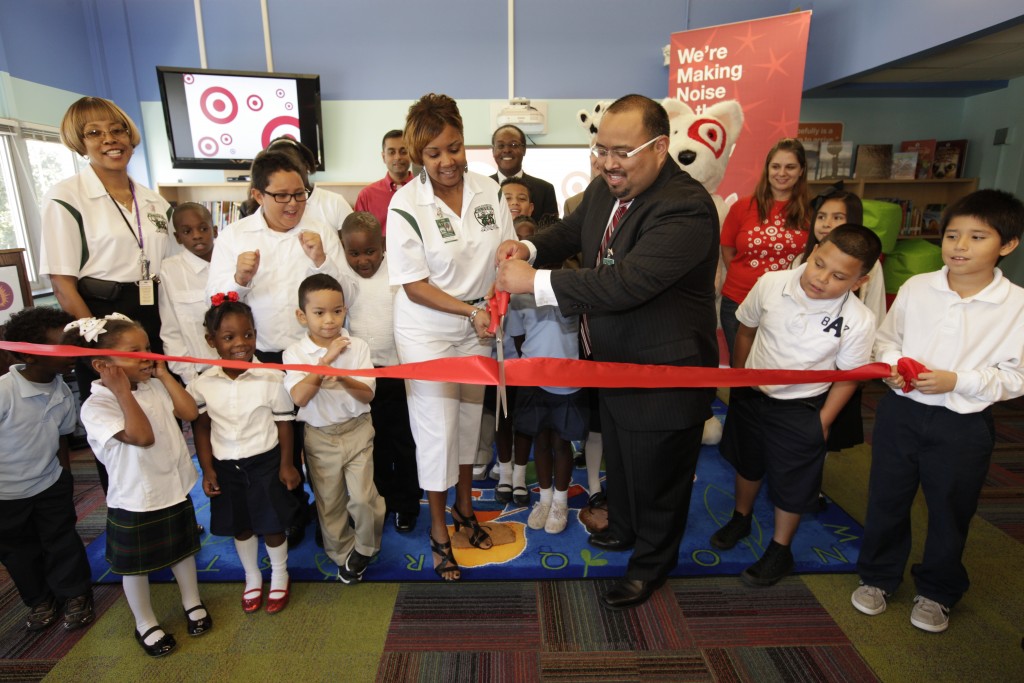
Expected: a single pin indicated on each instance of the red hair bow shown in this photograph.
(219, 298)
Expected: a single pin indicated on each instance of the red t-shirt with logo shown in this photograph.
(761, 246)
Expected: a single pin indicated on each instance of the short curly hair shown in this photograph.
(427, 117)
(86, 109)
(31, 325)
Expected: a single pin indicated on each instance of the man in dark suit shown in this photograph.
(647, 296)
(508, 145)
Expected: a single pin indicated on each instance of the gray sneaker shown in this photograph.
(869, 599)
(557, 518)
(539, 515)
(929, 615)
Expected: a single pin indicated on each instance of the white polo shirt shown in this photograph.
(141, 479)
(85, 234)
(371, 315)
(183, 304)
(273, 292)
(427, 240)
(32, 419)
(795, 332)
(333, 404)
(243, 411)
(330, 208)
(980, 338)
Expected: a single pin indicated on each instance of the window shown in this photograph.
(31, 161)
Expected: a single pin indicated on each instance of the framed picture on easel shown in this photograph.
(15, 293)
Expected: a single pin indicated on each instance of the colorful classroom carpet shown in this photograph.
(828, 542)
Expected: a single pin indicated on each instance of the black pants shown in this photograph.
(947, 454)
(127, 303)
(394, 450)
(302, 517)
(40, 547)
(650, 479)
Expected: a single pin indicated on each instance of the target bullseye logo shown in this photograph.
(219, 105)
(278, 126)
(208, 146)
(255, 102)
(279, 92)
(226, 139)
(188, 79)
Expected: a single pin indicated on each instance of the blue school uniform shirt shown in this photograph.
(549, 334)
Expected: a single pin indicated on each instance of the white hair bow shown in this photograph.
(92, 328)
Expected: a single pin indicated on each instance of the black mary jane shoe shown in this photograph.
(197, 627)
(162, 647)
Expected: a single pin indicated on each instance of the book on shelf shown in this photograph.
(950, 157)
(811, 148)
(873, 161)
(904, 166)
(931, 218)
(835, 159)
(925, 154)
(222, 213)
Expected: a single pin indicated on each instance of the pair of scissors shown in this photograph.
(497, 307)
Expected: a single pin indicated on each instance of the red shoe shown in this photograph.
(275, 605)
(252, 604)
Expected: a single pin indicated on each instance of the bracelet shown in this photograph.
(472, 316)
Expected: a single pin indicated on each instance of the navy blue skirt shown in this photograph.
(252, 497)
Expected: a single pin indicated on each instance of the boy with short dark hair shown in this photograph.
(801, 319)
(338, 431)
(182, 290)
(965, 324)
(39, 545)
(371, 318)
(518, 197)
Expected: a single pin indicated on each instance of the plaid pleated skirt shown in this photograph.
(142, 542)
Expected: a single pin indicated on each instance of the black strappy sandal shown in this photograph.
(446, 569)
(479, 537)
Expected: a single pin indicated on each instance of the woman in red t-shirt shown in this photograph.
(765, 231)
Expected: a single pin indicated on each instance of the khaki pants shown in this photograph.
(340, 463)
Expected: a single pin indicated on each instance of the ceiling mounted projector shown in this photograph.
(519, 112)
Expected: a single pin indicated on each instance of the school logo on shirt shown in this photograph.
(159, 221)
(835, 326)
(485, 217)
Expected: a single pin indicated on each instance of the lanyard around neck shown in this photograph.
(138, 220)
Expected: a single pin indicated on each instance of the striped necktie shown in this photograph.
(605, 241)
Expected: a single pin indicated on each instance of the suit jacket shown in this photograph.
(656, 303)
(545, 203)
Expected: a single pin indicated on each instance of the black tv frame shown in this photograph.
(309, 113)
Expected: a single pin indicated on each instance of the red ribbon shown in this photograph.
(518, 372)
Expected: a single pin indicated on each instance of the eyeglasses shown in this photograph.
(115, 132)
(511, 146)
(603, 152)
(285, 197)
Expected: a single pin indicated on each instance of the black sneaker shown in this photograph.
(774, 565)
(42, 615)
(354, 567)
(735, 530)
(78, 611)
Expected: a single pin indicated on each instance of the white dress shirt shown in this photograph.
(371, 316)
(243, 411)
(183, 305)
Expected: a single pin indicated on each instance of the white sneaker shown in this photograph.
(929, 615)
(496, 471)
(557, 518)
(539, 515)
(479, 472)
(869, 599)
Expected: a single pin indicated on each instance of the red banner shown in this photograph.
(758, 63)
(520, 372)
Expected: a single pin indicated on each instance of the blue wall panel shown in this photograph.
(234, 35)
(161, 33)
(46, 41)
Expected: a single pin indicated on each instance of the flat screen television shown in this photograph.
(222, 119)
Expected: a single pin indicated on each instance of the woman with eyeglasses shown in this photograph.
(104, 235)
(765, 231)
(441, 227)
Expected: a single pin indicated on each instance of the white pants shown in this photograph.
(444, 416)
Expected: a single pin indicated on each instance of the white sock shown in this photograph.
(278, 567)
(248, 551)
(188, 585)
(545, 496)
(136, 590)
(593, 452)
(518, 476)
(561, 498)
(505, 470)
